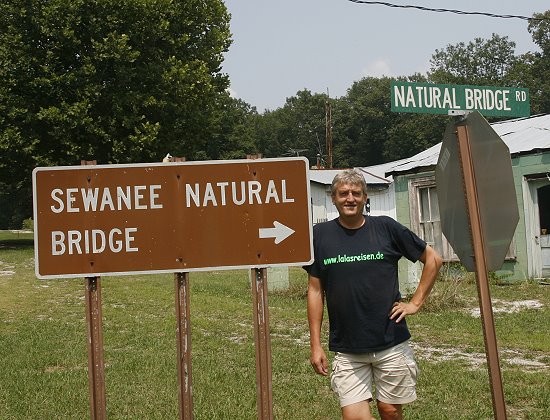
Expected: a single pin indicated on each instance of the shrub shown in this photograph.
(28, 224)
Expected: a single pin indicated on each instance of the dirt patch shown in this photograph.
(6, 270)
(445, 354)
(6, 273)
(508, 307)
(477, 360)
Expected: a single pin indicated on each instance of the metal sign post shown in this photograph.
(262, 340)
(96, 361)
(183, 332)
(489, 334)
(183, 335)
(263, 344)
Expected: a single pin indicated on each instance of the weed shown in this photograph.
(446, 293)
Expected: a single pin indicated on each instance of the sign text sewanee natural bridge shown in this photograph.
(185, 216)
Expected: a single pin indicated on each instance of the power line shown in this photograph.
(458, 12)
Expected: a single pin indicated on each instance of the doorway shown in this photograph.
(543, 198)
(536, 202)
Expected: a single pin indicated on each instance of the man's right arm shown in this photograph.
(315, 307)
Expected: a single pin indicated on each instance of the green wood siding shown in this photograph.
(534, 163)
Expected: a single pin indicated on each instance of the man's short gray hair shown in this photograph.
(348, 176)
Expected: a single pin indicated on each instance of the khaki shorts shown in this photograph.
(392, 371)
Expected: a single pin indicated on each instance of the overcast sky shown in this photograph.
(283, 46)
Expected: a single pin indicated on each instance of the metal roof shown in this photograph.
(374, 175)
(323, 176)
(522, 136)
(525, 135)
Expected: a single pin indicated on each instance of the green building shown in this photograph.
(416, 202)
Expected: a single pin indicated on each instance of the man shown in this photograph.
(356, 269)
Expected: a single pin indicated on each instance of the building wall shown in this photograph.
(522, 166)
(382, 202)
(409, 273)
(524, 241)
(320, 202)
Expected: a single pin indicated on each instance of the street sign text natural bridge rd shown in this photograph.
(167, 217)
(455, 99)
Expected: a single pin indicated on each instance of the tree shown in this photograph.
(367, 132)
(492, 62)
(533, 68)
(111, 80)
(233, 134)
(480, 62)
(296, 129)
(361, 122)
(412, 134)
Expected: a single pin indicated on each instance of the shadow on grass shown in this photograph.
(16, 243)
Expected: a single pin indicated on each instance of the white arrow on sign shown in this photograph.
(280, 232)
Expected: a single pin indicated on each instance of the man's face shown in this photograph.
(350, 200)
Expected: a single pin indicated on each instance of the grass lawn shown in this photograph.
(43, 352)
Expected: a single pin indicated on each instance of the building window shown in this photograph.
(425, 218)
(429, 220)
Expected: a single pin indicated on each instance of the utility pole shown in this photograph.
(328, 131)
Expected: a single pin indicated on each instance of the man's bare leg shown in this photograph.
(390, 411)
(357, 411)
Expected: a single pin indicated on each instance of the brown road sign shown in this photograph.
(171, 217)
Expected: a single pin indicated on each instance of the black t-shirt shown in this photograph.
(359, 274)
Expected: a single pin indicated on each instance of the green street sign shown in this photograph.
(430, 98)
